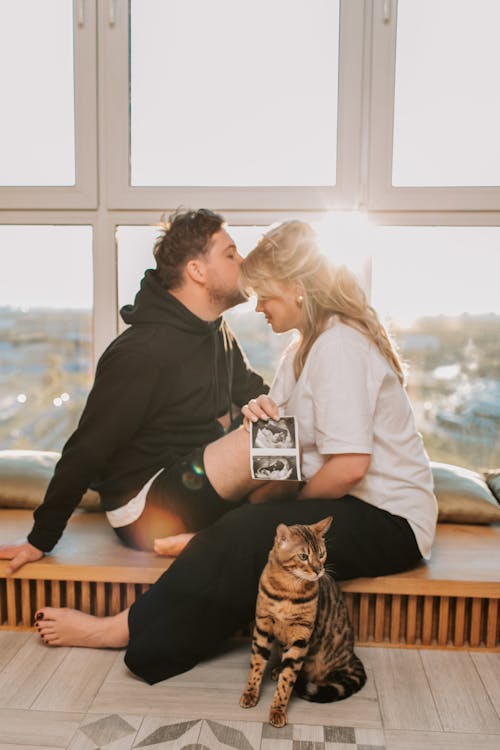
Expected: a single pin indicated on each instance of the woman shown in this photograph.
(362, 459)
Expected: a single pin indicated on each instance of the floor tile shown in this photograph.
(242, 735)
(38, 728)
(459, 694)
(405, 699)
(63, 692)
(24, 677)
(168, 733)
(405, 740)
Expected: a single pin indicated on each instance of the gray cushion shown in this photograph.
(463, 496)
(493, 482)
(25, 475)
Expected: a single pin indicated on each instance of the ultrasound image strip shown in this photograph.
(274, 449)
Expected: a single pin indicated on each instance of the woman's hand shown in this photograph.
(261, 407)
(20, 553)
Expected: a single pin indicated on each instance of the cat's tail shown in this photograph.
(341, 684)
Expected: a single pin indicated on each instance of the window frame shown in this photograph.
(382, 194)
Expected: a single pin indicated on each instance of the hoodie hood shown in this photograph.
(153, 304)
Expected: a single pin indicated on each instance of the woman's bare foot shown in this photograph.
(69, 627)
(172, 545)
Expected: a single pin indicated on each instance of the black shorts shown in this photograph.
(181, 499)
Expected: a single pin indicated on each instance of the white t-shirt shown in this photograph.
(348, 399)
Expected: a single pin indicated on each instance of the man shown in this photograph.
(163, 390)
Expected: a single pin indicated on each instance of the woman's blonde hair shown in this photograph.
(290, 254)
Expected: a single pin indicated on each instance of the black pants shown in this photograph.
(210, 590)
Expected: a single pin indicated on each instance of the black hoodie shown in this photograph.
(158, 391)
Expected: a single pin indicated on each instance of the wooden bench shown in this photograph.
(452, 601)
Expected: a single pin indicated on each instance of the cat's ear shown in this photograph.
(322, 527)
(282, 535)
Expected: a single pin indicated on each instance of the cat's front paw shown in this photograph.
(249, 699)
(277, 718)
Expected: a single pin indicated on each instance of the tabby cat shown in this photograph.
(304, 611)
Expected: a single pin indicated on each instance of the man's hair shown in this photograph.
(186, 236)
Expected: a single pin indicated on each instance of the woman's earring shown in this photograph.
(299, 300)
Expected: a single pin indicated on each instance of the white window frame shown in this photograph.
(120, 194)
(382, 194)
(84, 193)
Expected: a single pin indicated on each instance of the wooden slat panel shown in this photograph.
(11, 602)
(476, 622)
(26, 615)
(3, 602)
(364, 617)
(129, 594)
(55, 593)
(459, 634)
(40, 594)
(379, 618)
(85, 593)
(444, 619)
(70, 594)
(492, 637)
(395, 633)
(427, 621)
(411, 620)
(100, 599)
(114, 602)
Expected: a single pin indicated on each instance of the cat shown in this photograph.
(303, 610)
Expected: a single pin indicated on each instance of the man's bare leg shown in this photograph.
(68, 627)
(227, 463)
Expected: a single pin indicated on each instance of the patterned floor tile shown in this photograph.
(168, 733)
(110, 732)
(241, 735)
(344, 735)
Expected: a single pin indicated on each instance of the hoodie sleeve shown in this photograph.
(246, 382)
(124, 384)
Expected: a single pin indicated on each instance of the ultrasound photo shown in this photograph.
(274, 449)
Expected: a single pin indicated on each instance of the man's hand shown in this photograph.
(19, 553)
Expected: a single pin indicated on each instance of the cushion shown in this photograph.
(25, 475)
(463, 496)
(493, 482)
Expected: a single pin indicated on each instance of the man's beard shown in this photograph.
(226, 298)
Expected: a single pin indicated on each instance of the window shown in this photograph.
(37, 127)
(48, 90)
(434, 111)
(45, 333)
(233, 105)
(226, 93)
(436, 287)
(446, 114)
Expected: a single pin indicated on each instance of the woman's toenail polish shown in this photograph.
(39, 616)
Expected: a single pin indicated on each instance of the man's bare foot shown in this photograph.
(69, 627)
(172, 545)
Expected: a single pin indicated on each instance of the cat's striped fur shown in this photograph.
(303, 611)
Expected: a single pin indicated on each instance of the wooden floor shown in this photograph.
(83, 699)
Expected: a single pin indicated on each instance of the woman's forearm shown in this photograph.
(337, 477)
